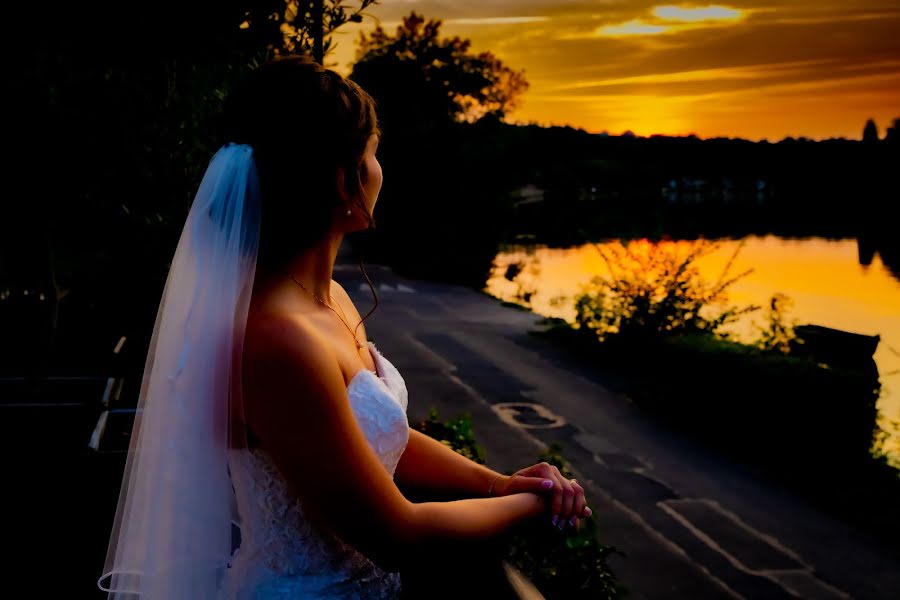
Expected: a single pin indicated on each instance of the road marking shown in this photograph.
(99, 428)
(785, 578)
(517, 414)
(671, 507)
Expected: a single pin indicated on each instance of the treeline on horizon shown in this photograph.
(685, 185)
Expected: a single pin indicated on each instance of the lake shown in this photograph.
(824, 278)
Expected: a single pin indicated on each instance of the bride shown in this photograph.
(270, 436)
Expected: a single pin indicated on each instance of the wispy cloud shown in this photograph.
(632, 27)
(671, 19)
(695, 14)
(788, 78)
(496, 20)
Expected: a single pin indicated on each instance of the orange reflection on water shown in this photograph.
(822, 277)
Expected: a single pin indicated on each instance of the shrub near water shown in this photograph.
(655, 290)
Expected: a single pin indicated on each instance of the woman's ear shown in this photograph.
(341, 188)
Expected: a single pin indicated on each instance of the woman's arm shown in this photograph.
(427, 464)
(303, 418)
(430, 465)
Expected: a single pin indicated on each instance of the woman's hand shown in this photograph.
(567, 504)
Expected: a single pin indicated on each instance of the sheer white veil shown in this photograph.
(172, 534)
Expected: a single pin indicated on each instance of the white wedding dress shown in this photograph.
(282, 556)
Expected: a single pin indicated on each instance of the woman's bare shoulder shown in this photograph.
(287, 359)
(274, 333)
(337, 287)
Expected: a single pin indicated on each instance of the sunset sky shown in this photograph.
(747, 68)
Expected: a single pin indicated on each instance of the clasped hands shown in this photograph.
(567, 502)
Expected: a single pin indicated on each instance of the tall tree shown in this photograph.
(125, 115)
(870, 132)
(417, 75)
(892, 135)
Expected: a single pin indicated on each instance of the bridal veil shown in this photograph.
(173, 530)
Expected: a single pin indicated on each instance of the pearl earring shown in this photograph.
(348, 212)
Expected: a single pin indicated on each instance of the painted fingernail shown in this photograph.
(555, 518)
(546, 484)
(572, 521)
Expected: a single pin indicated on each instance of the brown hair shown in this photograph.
(303, 121)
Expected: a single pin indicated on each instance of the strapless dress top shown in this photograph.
(281, 554)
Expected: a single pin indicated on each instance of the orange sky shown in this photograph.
(750, 68)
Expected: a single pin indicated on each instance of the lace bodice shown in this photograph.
(281, 554)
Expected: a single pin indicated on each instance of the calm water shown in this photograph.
(823, 278)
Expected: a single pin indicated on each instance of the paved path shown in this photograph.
(693, 525)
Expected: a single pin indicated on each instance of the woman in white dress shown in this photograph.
(314, 415)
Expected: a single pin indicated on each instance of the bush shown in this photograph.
(566, 566)
(777, 335)
(455, 433)
(654, 290)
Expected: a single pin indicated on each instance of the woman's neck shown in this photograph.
(313, 267)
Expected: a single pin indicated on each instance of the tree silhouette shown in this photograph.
(892, 135)
(870, 132)
(419, 77)
(308, 25)
(125, 117)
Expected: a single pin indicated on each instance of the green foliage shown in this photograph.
(655, 290)
(564, 565)
(583, 572)
(881, 451)
(553, 456)
(567, 565)
(455, 433)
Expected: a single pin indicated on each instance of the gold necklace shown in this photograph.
(352, 332)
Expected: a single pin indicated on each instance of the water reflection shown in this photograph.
(831, 283)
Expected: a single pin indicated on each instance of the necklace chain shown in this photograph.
(320, 301)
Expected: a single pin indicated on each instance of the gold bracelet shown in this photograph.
(491, 489)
